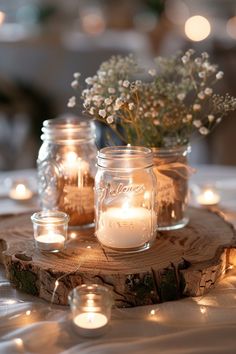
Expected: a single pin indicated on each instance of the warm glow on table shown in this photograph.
(208, 197)
(20, 192)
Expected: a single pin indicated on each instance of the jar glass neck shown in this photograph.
(68, 130)
(125, 157)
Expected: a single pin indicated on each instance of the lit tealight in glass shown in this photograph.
(91, 309)
(50, 230)
(20, 191)
(208, 197)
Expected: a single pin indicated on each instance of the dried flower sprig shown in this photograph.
(177, 100)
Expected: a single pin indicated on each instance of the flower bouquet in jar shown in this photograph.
(162, 108)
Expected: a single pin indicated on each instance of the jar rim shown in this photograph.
(68, 128)
(173, 150)
(54, 217)
(85, 289)
(125, 157)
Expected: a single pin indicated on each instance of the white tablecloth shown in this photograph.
(192, 325)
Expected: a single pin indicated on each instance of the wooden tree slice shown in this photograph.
(185, 262)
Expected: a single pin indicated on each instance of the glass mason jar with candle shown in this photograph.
(172, 172)
(124, 198)
(66, 168)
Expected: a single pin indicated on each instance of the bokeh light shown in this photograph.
(176, 11)
(197, 28)
(2, 17)
(231, 27)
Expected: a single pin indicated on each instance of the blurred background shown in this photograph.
(43, 42)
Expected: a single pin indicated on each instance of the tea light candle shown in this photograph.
(50, 242)
(90, 323)
(50, 230)
(20, 192)
(208, 197)
(126, 227)
(91, 309)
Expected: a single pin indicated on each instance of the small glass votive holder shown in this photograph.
(50, 230)
(20, 190)
(206, 195)
(91, 309)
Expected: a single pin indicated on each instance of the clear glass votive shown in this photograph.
(206, 195)
(91, 309)
(50, 230)
(20, 190)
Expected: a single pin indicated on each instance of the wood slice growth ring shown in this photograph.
(184, 262)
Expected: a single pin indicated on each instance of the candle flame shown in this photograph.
(90, 317)
(20, 188)
(71, 157)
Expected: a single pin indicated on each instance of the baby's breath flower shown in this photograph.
(205, 55)
(202, 74)
(218, 120)
(203, 131)
(208, 91)
(108, 101)
(211, 117)
(201, 95)
(198, 61)
(126, 83)
(196, 107)
(219, 75)
(92, 110)
(131, 106)
(181, 96)
(110, 119)
(75, 84)
(76, 75)
(160, 99)
(72, 102)
(185, 59)
(102, 113)
(152, 72)
(188, 118)
(197, 123)
(89, 80)
(111, 90)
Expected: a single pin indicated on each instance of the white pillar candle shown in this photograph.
(50, 242)
(20, 192)
(125, 227)
(208, 197)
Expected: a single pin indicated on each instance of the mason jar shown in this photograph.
(66, 168)
(124, 198)
(172, 173)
